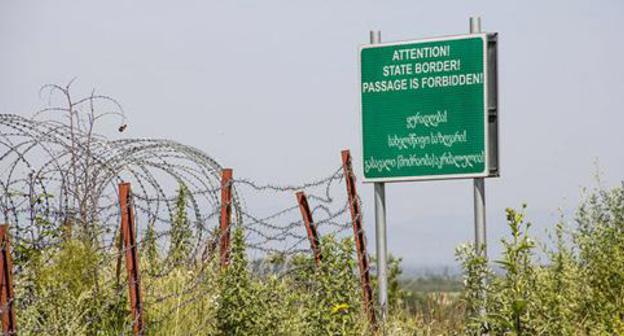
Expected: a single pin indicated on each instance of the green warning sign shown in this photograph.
(425, 109)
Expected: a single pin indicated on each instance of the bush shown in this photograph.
(578, 291)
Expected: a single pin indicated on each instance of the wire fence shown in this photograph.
(61, 196)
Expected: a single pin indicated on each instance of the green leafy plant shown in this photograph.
(181, 232)
(511, 297)
(333, 304)
(477, 276)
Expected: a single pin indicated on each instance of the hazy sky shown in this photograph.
(271, 89)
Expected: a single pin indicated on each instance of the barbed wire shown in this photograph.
(59, 194)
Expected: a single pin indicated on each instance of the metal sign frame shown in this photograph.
(490, 107)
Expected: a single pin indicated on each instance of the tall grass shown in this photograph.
(76, 288)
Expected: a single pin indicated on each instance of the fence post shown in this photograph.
(9, 327)
(310, 226)
(226, 216)
(132, 258)
(358, 232)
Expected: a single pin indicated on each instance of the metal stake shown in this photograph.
(310, 226)
(128, 234)
(360, 241)
(7, 297)
(226, 216)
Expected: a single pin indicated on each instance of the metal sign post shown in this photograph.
(380, 233)
(479, 182)
(380, 241)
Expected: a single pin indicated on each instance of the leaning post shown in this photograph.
(226, 216)
(9, 326)
(360, 242)
(132, 258)
(310, 226)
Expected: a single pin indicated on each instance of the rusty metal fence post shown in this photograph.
(310, 226)
(360, 243)
(226, 216)
(9, 327)
(132, 258)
